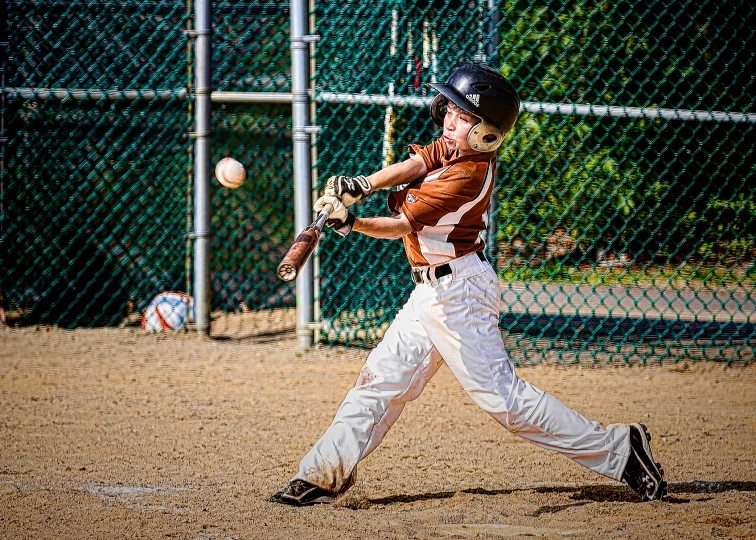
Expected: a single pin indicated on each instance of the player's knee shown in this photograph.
(512, 405)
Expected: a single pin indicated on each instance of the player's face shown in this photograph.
(457, 124)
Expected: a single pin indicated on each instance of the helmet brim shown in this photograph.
(453, 95)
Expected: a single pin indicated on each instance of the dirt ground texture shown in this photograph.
(118, 433)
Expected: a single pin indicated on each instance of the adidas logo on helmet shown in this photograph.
(474, 99)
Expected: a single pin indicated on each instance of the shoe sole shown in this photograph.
(279, 498)
(293, 502)
(661, 490)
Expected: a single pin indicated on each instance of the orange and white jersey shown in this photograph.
(448, 208)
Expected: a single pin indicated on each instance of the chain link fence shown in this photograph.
(625, 211)
(96, 178)
(253, 225)
(95, 162)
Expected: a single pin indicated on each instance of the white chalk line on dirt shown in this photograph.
(118, 491)
(131, 496)
(475, 529)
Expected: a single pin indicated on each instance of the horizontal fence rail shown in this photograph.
(80, 94)
(578, 109)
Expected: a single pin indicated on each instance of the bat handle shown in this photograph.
(323, 216)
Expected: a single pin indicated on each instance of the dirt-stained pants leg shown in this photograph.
(461, 316)
(395, 372)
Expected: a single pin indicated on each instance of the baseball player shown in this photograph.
(439, 210)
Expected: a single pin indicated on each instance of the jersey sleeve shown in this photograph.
(431, 154)
(395, 199)
(425, 204)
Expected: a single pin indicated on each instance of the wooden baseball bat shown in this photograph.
(303, 246)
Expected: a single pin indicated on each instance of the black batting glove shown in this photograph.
(349, 189)
(342, 227)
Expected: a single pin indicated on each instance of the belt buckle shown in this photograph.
(421, 276)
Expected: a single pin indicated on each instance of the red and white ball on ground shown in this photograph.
(168, 311)
(230, 173)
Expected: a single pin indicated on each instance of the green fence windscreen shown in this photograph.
(253, 225)
(95, 199)
(96, 165)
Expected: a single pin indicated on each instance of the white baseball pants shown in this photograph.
(454, 320)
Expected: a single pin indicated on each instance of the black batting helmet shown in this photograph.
(482, 92)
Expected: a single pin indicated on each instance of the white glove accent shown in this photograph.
(339, 212)
(340, 220)
(320, 204)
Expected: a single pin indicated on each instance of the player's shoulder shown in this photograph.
(466, 170)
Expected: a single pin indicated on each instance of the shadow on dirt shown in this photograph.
(618, 493)
(556, 508)
(710, 487)
(259, 337)
(589, 493)
(398, 499)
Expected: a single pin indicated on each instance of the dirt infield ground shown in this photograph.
(115, 433)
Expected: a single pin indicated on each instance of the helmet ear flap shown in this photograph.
(485, 137)
(437, 109)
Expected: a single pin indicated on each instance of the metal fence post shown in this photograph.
(4, 45)
(301, 135)
(492, 52)
(202, 119)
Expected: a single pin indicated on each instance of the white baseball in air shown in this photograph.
(230, 173)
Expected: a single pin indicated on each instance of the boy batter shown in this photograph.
(452, 316)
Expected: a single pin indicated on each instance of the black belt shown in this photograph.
(437, 272)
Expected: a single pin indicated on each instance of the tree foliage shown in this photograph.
(662, 190)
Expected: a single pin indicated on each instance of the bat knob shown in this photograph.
(287, 271)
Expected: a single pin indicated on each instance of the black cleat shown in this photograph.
(301, 493)
(642, 472)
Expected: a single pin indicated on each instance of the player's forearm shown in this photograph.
(387, 228)
(398, 173)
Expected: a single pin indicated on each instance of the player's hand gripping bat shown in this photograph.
(303, 246)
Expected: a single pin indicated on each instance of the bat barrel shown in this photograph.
(298, 254)
(302, 248)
